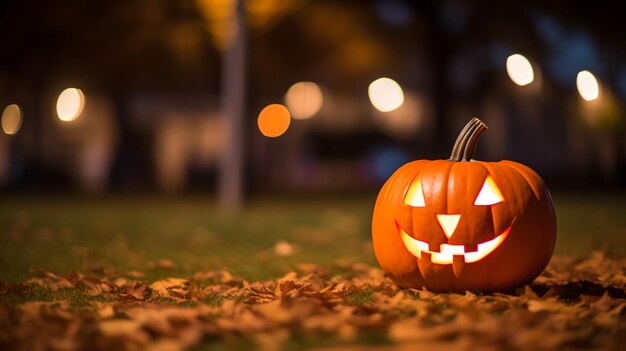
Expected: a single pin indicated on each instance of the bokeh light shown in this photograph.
(385, 94)
(70, 104)
(274, 120)
(11, 119)
(406, 121)
(304, 100)
(519, 70)
(587, 85)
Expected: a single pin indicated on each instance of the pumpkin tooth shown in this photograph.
(471, 247)
(425, 265)
(458, 264)
(434, 247)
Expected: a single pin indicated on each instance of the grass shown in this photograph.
(362, 297)
(62, 234)
(77, 297)
(591, 222)
(122, 234)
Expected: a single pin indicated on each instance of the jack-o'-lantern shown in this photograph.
(461, 224)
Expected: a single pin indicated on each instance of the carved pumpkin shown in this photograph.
(461, 224)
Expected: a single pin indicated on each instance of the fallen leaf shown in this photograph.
(283, 248)
(169, 287)
(162, 263)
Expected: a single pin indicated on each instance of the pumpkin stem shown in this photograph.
(466, 141)
(461, 140)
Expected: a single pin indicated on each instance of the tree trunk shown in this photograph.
(233, 86)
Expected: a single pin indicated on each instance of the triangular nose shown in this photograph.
(448, 223)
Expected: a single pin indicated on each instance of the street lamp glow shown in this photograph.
(70, 104)
(274, 120)
(304, 100)
(11, 119)
(519, 70)
(385, 94)
(587, 85)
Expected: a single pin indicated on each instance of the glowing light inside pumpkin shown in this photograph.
(447, 252)
(587, 85)
(414, 195)
(489, 194)
(385, 94)
(274, 120)
(519, 70)
(448, 223)
(70, 104)
(415, 247)
(11, 119)
(304, 100)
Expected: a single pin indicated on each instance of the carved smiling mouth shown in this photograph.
(449, 254)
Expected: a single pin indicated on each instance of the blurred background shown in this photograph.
(237, 99)
(177, 136)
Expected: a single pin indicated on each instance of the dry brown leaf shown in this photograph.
(575, 303)
(162, 263)
(134, 291)
(283, 248)
(105, 311)
(135, 274)
(170, 287)
(119, 327)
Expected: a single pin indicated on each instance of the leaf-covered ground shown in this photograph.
(575, 304)
(134, 274)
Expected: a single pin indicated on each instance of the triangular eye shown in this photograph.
(415, 196)
(489, 194)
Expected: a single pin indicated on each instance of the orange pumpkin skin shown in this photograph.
(451, 187)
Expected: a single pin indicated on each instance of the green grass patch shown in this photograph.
(361, 297)
(62, 234)
(214, 299)
(75, 297)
